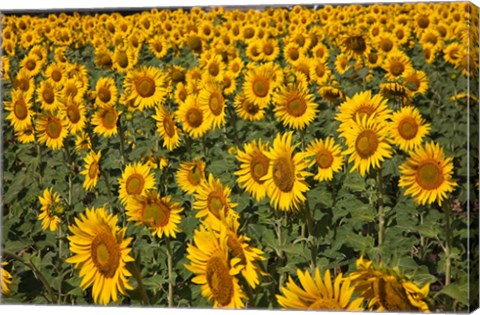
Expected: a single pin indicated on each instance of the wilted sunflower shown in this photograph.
(408, 128)
(136, 179)
(146, 85)
(368, 144)
(212, 103)
(51, 210)
(160, 215)
(19, 108)
(316, 293)
(386, 290)
(6, 279)
(105, 121)
(285, 180)
(100, 250)
(214, 270)
(427, 174)
(51, 130)
(106, 93)
(327, 156)
(194, 120)
(92, 170)
(191, 175)
(166, 128)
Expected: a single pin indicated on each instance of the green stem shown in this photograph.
(170, 272)
(60, 245)
(381, 219)
(40, 173)
(138, 277)
(35, 270)
(448, 234)
(109, 193)
(204, 146)
(122, 145)
(311, 234)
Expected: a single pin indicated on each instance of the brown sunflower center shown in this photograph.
(324, 159)
(366, 144)
(259, 167)
(105, 253)
(357, 44)
(249, 32)
(23, 84)
(235, 246)
(397, 68)
(284, 174)
(250, 107)
(429, 175)
(216, 202)
(178, 76)
(156, 214)
(195, 43)
(54, 128)
(386, 44)
(93, 170)
(56, 75)
(48, 95)
(325, 304)
(400, 34)
(216, 103)
(320, 70)
(109, 118)
(104, 94)
(30, 64)
(213, 69)
(296, 106)
(168, 126)
(423, 21)
(134, 184)
(71, 90)
(194, 176)
(372, 58)
(20, 109)
(268, 49)
(73, 113)
(122, 58)
(260, 86)
(408, 128)
(145, 86)
(219, 280)
(293, 54)
(194, 117)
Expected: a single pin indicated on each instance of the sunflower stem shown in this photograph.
(109, 193)
(311, 236)
(122, 145)
(136, 274)
(40, 173)
(35, 271)
(381, 219)
(204, 146)
(448, 234)
(170, 272)
(60, 244)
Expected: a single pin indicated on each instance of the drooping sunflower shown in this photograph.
(74, 115)
(20, 110)
(82, 141)
(316, 293)
(92, 169)
(194, 120)
(101, 252)
(248, 110)
(6, 279)
(191, 175)
(386, 290)
(26, 135)
(105, 121)
(51, 209)
(214, 270)
(166, 128)
(51, 130)
(408, 128)
(212, 103)
(160, 215)
(136, 179)
(285, 180)
(331, 94)
(368, 144)
(427, 174)
(212, 201)
(254, 166)
(106, 92)
(327, 156)
(294, 105)
(146, 85)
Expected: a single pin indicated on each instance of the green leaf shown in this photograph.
(455, 291)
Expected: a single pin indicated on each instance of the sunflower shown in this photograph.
(327, 156)
(92, 169)
(136, 179)
(355, 44)
(20, 110)
(82, 141)
(367, 143)
(427, 174)
(51, 130)
(74, 114)
(103, 57)
(158, 46)
(31, 64)
(105, 121)
(316, 293)
(291, 52)
(5, 68)
(247, 110)
(193, 119)
(6, 279)
(100, 250)
(394, 90)
(51, 210)
(320, 52)
(408, 128)
(229, 84)
(416, 82)
(213, 270)
(285, 180)
(254, 166)
(26, 135)
(191, 175)
(396, 64)
(235, 66)
(55, 73)
(386, 290)
(212, 104)
(320, 72)
(260, 82)
(214, 69)
(331, 94)
(106, 93)
(146, 85)
(212, 201)
(386, 43)
(295, 106)
(453, 52)
(124, 58)
(166, 128)
(49, 96)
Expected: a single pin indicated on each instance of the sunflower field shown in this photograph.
(305, 157)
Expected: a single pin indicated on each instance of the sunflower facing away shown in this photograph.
(191, 175)
(386, 290)
(136, 179)
(160, 215)
(146, 85)
(214, 271)
(408, 128)
(286, 175)
(327, 156)
(316, 293)
(100, 250)
(166, 128)
(6, 279)
(427, 174)
(92, 170)
(51, 210)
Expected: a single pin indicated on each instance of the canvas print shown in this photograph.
(316, 157)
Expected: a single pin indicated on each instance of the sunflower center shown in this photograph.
(219, 280)
(357, 44)
(48, 95)
(320, 70)
(216, 202)
(56, 75)
(400, 34)
(122, 59)
(24, 84)
(195, 176)
(408, 128)
(20, 109)
(195, 43)
(109, 119)
(213, 69)
(250, 108)
(366, 143)
(373, 58)
(134, 184)
(194, 117)
(168, 125)
(54, 128)
(268, 49)
(429, 175)
(145, 86)
(284, 174)
(386, 45)
(261, 86)
(216, 103)
(423, 21)
(93, 170)
(73, 113)
(104, 94)
(325, 304)
(293, 54)
(178, 76)
(324, 159)
(236, 247)
(414, 83)
(296, 106)
(105, 253)
(156, 214)
(397, 68)
(30, 64)
(259, 167)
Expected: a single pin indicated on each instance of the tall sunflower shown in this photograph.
(92, 169)
(254, 166)
(286, 175)
(214, 270)
(212, 103)
(191, 175)
(136, 179)
(316, 293)
(146, 85)
(327, 156)
(101, 252)
(166, 128)
(51, 130)
(427, 174)
(51, 209)
(408, 128)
